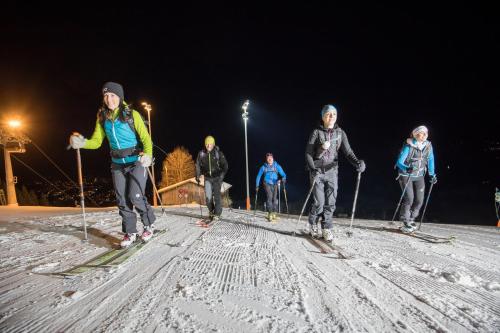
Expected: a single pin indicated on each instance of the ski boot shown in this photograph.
(413, 223)
(269, 216)
(128, 240)
(147, 234)
(274, 217)
(215, 218)
(328, 235)
(408, 227)
(314, 231)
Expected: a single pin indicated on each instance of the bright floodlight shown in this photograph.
(245, 105)
(14, 123)
(147, 106)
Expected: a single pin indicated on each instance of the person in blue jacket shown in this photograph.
(270, 170)
(414, 161)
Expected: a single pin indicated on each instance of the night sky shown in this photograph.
(386, 69)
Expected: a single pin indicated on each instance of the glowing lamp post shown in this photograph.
(244, 115)
(13, 142)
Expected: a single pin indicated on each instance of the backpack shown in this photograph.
(270, 169)
(411, 153)
(127, 113)
(203, 153)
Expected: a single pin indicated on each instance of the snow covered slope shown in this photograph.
(247, 275)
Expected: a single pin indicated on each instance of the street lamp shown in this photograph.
(148, 108)
(13, 142)
(244, 115)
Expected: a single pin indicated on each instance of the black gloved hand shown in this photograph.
(433, 180)
(361, 166)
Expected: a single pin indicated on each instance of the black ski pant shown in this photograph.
(213, 196)
(413, 197)
(324, 197)
(129, 181)
(272, 197)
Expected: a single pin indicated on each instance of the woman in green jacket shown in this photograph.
(131, 153)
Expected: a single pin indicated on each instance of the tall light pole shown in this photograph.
(244, 115)
(148, 108)
(13, 142)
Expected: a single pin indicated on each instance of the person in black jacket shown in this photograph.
(212, 164)
(322, 154)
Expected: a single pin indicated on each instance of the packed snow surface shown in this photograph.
(243, 274)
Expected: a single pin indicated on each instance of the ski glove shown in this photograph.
(433, 180)
(146, 160)
(361, 166)
(77, 141)
(198, 180)
(325, 145)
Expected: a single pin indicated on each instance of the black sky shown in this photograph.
(386, 69)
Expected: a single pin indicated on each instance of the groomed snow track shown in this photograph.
(244, 274)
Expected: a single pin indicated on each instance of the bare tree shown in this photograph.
(178, 166)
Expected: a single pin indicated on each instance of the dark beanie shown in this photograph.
(114, 88)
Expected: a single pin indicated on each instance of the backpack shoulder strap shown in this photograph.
(339, 137)
(129, 118)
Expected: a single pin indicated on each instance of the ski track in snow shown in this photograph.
(245, 274)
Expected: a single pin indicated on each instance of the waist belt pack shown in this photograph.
(126, 152)
(327, 167)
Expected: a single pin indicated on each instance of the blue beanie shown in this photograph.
(327, 108)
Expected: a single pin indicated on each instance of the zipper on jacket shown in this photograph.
(116, 139)
(209, 164)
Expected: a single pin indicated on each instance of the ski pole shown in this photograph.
(199, 200)
(255, 206)
(400, 199)
(349, 233)
(279, 197)
(425, 207)
(82, 195)
(304, 206)
(286, 200)
(156, 191)
(497, 204)
(80, 181)
(226, 196)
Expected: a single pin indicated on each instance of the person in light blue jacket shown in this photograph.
(270, 170)
(414, 161)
